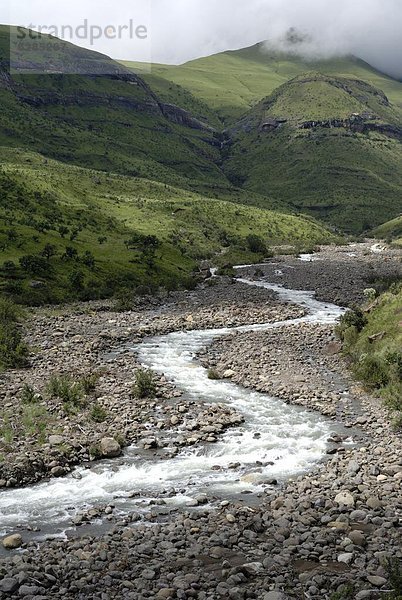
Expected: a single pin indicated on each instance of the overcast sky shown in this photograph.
(180, 30)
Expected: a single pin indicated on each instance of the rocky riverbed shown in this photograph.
(330, 530)
(44, 436)
(337, 274)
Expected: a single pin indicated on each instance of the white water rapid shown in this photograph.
(287, 440)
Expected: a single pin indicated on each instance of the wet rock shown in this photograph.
(12, 542)
(110, 448)
(57, 471)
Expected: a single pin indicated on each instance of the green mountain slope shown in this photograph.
(329, 146)
(64, 230)
(391, 231)
(374, 343)
(232, 82)
(111, 121)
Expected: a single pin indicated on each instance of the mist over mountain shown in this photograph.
(181, 30)
(369, 29)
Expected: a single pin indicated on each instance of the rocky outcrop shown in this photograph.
(356, 124)
(183, 117)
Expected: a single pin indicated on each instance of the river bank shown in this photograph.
(335, 526)
(94, 341)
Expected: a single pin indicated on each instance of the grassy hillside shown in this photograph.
(106, 122)
(232, 82)
(337, 155)
(391, 231)
(374, 342)
(68, 232)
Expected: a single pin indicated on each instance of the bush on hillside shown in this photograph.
(13, 351)
(256, 245)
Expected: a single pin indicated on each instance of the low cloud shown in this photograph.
(181, 30)
(369, 29)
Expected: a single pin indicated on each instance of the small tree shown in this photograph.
(256, 244)
(35, 265)
(70, 253)
(88, 259)
(48, 251)
(77, 279)
(63, 231)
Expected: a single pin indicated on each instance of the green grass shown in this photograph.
(86, 213)
(391, 231)
(101, 158)
(376, 348)
(109, 122)
(232, 82)
(350, 179)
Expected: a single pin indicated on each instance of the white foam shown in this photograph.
(291, 438)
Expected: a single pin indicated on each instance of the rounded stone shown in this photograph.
(12, 542)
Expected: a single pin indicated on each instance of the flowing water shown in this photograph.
(276, 440)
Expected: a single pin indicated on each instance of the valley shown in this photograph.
(192, 424)
(200, 327)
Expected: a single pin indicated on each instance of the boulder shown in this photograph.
(110, 448)
(8, 585)
(57, 471)
(357, 538)
(12, 541)
(228, 374)
(376, 580)
(345, 498)
(374, 502)
(346, 558)
(56, 440)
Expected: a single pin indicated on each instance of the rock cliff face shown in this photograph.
(182, 117)
(144, 100)
(357, 125)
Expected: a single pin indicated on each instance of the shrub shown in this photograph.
(66, 389)
(88, 382)
(394, 360)
(76, 279)
(88, 259)
(98, 413)
(352, 318)
(226, 271)
(34, 265)
(124, 300)
(394, 569)
(9, 266)
(35, 420)
(13, 352)
(28, 395)
(373, 371)
(144, 386)
(256, 244)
